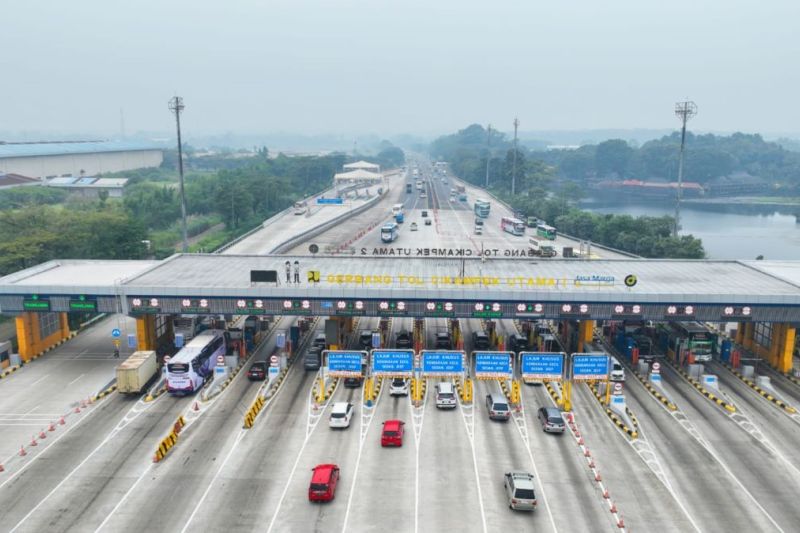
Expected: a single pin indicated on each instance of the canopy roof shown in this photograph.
(359, 174)
(366, 165)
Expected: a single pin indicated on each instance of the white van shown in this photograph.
(617, 370)
(445, 395)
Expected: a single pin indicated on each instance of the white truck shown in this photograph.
(136, 371)
(542, 247)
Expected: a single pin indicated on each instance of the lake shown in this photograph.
(727, 231)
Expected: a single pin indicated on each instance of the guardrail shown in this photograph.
(313, 232)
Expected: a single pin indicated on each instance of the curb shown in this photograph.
(632, 433)
(10, 370)
(553, 394)
(105, 392)
(169, 442)
(766, 395)
(693, 382)
(252, 413)
(159, 392)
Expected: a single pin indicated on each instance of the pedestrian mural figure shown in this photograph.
(297, 271)
(288, 272)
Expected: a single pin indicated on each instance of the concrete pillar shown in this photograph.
(775, 344)
(739, 339)
(747, 335)
(29, 335)
(146, 332)
(585, 333)
(785, 360)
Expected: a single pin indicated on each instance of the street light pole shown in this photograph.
(684, 111)
(176, 106)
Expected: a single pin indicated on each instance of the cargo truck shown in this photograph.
(542, 247)
(136, 372)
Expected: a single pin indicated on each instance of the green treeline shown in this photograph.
(541, 192)
(38, 224)
(708, 157)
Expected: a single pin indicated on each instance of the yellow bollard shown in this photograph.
(515, 392)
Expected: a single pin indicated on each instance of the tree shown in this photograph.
(612, 157)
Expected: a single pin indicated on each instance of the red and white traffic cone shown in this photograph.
(2, 468)
(22, 452)
(52, 427)
(195, 407)
(33, 441)
(42, 434)
(61, 421)
(77, 409)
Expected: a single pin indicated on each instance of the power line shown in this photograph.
(176, 106)
(684, 111)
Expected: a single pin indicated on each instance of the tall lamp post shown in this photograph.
(684, 111)
(176, 106)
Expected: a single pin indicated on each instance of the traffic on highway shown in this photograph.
(359, 423)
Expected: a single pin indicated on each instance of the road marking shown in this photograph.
(363, 435)
(38, 380)
(525, 441)
(124, 497)
(74, 380)
(471, 435)
(80, 353)
(32, 410)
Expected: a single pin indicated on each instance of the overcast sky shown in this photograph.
(392, 66)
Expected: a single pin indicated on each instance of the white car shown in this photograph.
(341, 414)
(413, 226)
(399, 387)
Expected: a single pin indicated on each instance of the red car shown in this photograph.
(392, 434)
(323, 483)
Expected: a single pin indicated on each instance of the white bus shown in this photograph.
(300, 208)
(397, 208)
(512, 225)
(389, 232)
(187, 325)
(189, 369)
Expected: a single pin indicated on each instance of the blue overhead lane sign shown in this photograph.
(342, 363)
(542, 366)
(442, 363)
(490, 365)
(392, 362)
(589, 367)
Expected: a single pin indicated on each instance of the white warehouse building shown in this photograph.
(48, 160)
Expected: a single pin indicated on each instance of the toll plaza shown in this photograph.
(762, 297)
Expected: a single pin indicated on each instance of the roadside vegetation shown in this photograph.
(38, 224)
(540, 191)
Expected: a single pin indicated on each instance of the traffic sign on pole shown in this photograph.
(542, 366)
(617, 388)
(220, 360)
(273, 360)
(656, 368)
(589, 366)
(116, 333)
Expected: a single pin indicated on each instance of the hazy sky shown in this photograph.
(398, 66)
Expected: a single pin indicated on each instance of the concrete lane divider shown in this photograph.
(764, 394)
(705, 392)
(553, 394)
(252, 413)
(10, 370)
(631, 432)
(104, 393)
(169, 442)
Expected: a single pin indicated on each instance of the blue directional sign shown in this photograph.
(132, 341)
(589, 366)
(344, 363)
(280, 339)
(329, 201)
(442, 363)
(376, 340)
(490, 365)
(542, 366)
(392, 362)
(116, 333)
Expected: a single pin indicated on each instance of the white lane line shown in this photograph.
(20, 423)
(80, 354)
(474, 461)
(32, 410)
(239, 437)
(533, 463)
(38, 380)
(124, 497)
(74, 380)
(363, 437)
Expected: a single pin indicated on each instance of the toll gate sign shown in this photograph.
(442, 363)
(394, 363)
(344, 364)
(493, 365)
(542, 366)
(589, 366)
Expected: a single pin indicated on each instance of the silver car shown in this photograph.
(520, 491)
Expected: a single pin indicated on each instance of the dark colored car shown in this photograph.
(517, 343)
(403, 339)
(353, 383)
(258, 371)
(480, 340)
(443, 341)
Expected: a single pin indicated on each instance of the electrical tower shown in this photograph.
(488, 151)
(684, 111)
(176, 106)
(514, 171)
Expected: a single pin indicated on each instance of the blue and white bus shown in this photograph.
(189, 369)
(482, 207)
(389, 232)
